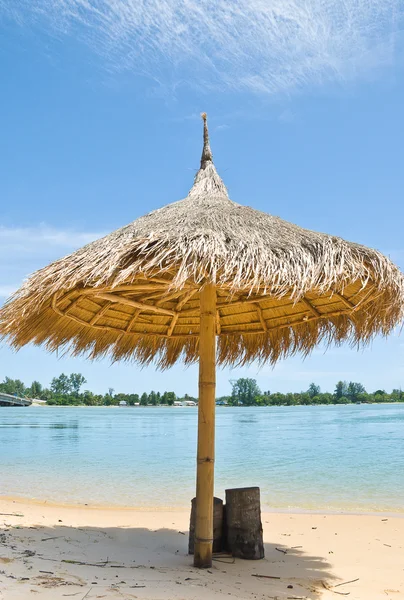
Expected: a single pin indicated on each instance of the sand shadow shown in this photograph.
(125, 562)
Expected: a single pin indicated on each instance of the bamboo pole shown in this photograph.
(206, 429)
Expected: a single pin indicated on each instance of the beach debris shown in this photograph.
(265, 576)
(55, 581)
(346, 582)
(388, 545)
(182, 533)
(294, 547)
(290, 587)
(47, 572)
(11, 515)
(281, 550)
(226, 559)
(56, 537)
(7, 575)
(329, 588)
(384, 519)
(80, 562)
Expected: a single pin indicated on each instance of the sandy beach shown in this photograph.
(55, 552)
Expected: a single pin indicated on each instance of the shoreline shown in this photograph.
(180, 509)
(53, 551)
(46, 405)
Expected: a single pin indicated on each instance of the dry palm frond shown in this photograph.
(134, 294)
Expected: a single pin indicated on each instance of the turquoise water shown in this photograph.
(347, 458)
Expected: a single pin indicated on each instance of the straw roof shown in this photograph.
(134, 294)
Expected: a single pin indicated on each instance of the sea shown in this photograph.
(347, 458)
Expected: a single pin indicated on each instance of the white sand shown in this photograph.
(141, 554)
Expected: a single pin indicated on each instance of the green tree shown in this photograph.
(144, 399)
(341, 389)
(326, 398)
(76, 381)
(314, 390)
(380, 396)
(353, 391)
(168, 398)
(244, 391)
(61, 386)
(15, 387)
(133, 399)
(397, 395)
(277, 399)
(342, 400)
(89, 398)
(35, 390)
(305, 398)
(46, 394)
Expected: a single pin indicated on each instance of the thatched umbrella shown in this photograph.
(169, 284)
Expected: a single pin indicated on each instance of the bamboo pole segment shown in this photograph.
(206, 429)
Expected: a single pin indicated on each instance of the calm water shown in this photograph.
(334, 458)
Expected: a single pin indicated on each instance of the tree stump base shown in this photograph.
(243, 523)
(217, 526)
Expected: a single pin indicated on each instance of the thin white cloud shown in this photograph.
(26, 249)
(268, 46)
(28, 239)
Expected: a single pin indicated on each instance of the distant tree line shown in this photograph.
(67, 390)
(245, 392)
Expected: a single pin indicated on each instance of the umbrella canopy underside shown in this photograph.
(148, 320)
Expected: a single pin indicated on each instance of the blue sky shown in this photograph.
(100, 105)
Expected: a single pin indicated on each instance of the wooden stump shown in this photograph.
(243, 523)
(217, 526)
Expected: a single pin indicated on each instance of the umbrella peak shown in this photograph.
(207, 182)
(206, 152)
